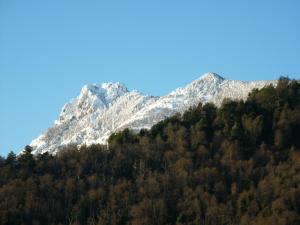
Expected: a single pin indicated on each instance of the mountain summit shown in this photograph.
(211, 76)
(101, 109)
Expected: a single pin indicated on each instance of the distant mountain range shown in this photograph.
(102, 109)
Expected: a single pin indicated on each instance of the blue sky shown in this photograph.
(50, 49)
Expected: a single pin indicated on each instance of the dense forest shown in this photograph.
(236, 164)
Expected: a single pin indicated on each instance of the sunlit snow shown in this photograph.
(102, 109)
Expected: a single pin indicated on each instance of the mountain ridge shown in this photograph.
(102, 109)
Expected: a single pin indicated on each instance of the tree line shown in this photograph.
(236, 164)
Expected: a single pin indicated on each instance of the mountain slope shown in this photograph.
(102, 109)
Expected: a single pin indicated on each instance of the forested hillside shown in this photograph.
(237, 164)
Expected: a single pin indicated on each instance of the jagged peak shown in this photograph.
(114, 86)
(102, 109)
(106, 87)
(108, 91)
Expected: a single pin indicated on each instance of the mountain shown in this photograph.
(102, 109)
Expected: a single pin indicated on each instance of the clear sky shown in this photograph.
(50, 49)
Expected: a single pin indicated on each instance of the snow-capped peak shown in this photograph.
(101, 109)
(106, 91)
(210, 77)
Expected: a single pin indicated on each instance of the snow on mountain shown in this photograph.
(102, 109)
